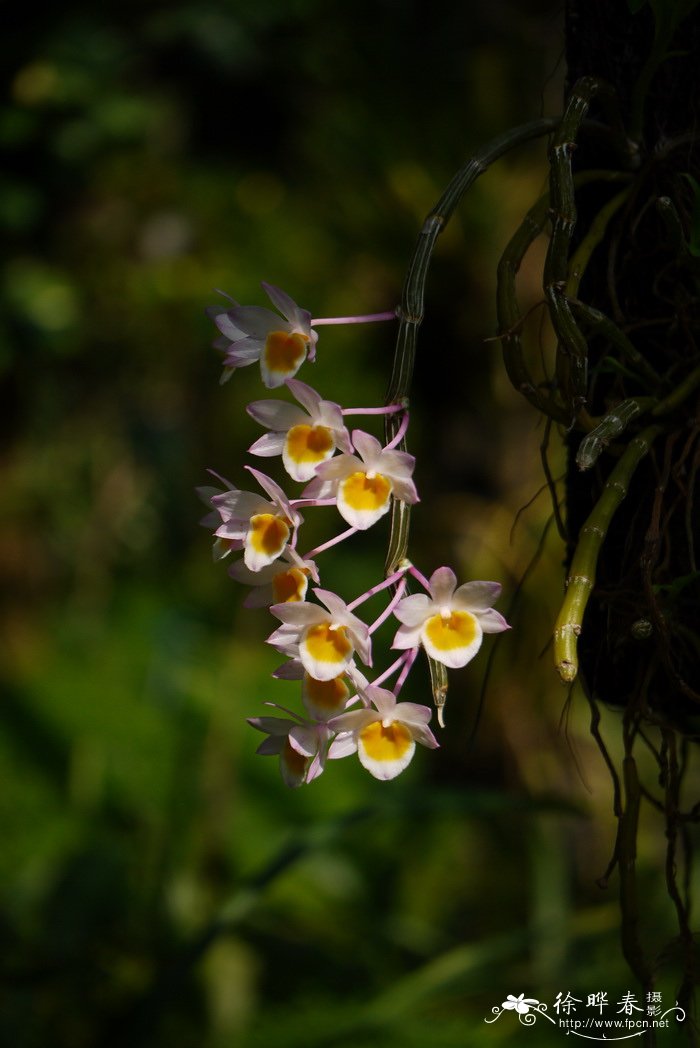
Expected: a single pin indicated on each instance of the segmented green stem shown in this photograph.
(604, 326)
(596, 232)
(614, 423)
(508, 313)
(410, 312)
(509, 316)
(583, 565)
(410, 315)
(572, 359)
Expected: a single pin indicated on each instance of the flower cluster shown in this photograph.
(322, 639)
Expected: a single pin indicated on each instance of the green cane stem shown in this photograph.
(598, 323)
(572, 357)
(410, 315)
(596, 232)
(410, 311)
(583, 564)
(509, 317)
(611, 426)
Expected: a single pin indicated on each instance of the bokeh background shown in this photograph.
(158, 883)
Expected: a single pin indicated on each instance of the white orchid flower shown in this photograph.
(264, 527)
(364, 485)
(280, 343)
(451, 621)
(323, 640)
(304, 436)
(386, 736)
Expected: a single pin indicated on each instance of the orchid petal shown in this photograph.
(476, 596)
(491, 621)
(442, 585)
(413, 610)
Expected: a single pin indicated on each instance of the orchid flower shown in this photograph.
(449, 623)
(304, 436)
(222, 547)
(386, 736)
(280, 343)
(323, 640)
(302, 746)
(261, 527)
(276, 582)
(364, 485)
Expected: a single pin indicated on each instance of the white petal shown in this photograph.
(407, 637)
(257, 321)
(404, 491)
(243, 352)
(286, 305)
(414, 610)
(276, 414)
(476, 596)
(383, 700)
(320, 489)
(397, 464)
(442, 585)
(422, 734)
(268, 445)
(353, 721)
(224, 323)
(412, 713)
(307, 397)
(342, 746)
(368, 447)
(340, 467)
(491, 621)
(276, 494)
(300, 613)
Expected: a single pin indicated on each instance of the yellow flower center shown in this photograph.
(362, 491)
(309, 443)
(268, 534)
(457, 630)
(289, 585)
(284, 351)
(327, 643)
(326, 694)
(385, 743)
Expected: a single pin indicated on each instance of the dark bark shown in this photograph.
(640, 643)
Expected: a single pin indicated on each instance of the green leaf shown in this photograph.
(633, 6)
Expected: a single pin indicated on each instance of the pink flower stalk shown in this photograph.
(250, 333)
(363, 486)
(451, 621)
(386, 736)
(304, 436)
(263, 528)
(323, 640)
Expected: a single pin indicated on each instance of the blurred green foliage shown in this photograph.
(158, 885)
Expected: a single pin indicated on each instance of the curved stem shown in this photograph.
(583, 565)
(410, 311)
